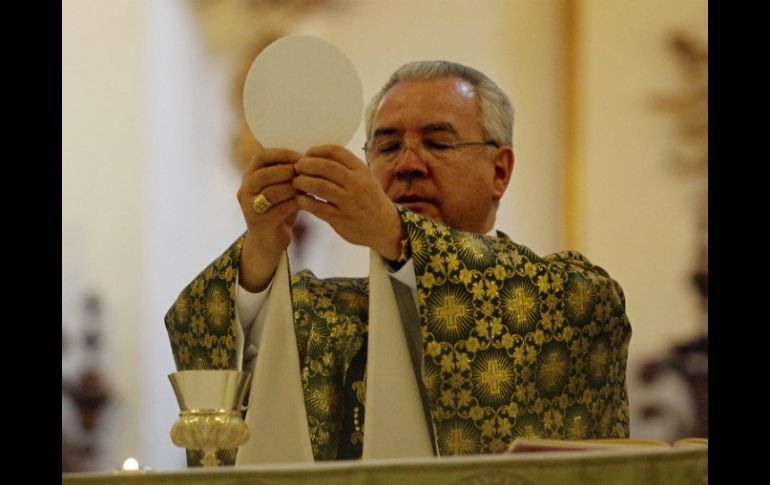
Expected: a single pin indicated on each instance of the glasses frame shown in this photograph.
(453, 145)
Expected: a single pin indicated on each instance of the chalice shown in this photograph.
(210, 411)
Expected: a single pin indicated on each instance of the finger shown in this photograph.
(255, 181)
(319, 209)
(319, 187)
(272, 156)
(336, 153)
(273, 216)
(323, 168)
(278, 193)
(284, 210)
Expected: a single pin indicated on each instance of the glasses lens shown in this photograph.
(436, 147)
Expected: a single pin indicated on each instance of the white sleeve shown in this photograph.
(247, 307)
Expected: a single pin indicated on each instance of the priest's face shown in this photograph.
(419, 155)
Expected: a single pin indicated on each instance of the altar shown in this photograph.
(633, 466)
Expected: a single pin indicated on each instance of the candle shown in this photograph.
(130, 465)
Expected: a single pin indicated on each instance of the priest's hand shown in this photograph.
(337, 187)
(270, 208)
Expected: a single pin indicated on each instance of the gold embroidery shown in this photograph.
(459, 440)
(360, 388)
(323, 399)
(182, 308)
(493, 378)
(449, 311)
(553, 370)
(528, 427)
(533, 324)
(579, 298)
(357, 436)
(450, 315)
(300, 296)
(519, 307)
(598, 361)
(577, 429)
(217, 308)
(514, 344)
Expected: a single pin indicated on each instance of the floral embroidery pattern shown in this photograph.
(514, 345)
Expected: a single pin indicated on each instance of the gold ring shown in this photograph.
(261, 204)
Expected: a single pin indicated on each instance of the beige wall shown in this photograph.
(102, 153)
(640, 219)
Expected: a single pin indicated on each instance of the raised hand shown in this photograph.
(269, 206)
(338, 187)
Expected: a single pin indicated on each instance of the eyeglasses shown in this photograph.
(389, 150)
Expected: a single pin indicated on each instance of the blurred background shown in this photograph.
(611, 144)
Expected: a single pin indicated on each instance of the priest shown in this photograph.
(460, 339)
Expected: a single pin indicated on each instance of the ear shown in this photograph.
(503, 165)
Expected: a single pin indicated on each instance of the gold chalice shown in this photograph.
(210, 404)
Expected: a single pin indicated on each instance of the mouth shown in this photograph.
(415, 202)
(413, 199)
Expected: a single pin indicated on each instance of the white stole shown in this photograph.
(276, 414)
(394, 423)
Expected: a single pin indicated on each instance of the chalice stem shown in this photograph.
(210, 457)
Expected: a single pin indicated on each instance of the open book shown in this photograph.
(529, 445)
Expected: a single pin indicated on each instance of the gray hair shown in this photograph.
(495, 110)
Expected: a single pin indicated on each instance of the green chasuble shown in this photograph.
(514, 344)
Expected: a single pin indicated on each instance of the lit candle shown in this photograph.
(130, 465)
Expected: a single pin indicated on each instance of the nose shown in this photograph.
(411, 163)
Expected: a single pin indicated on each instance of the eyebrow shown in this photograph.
(429, 128)
(434, 127)
(384, 132)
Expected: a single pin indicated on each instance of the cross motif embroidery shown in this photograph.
(580, 298)
(493, 377)
(520, 304)
(450, 311)
(458, 443)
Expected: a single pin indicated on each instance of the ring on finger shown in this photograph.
(261, 203)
